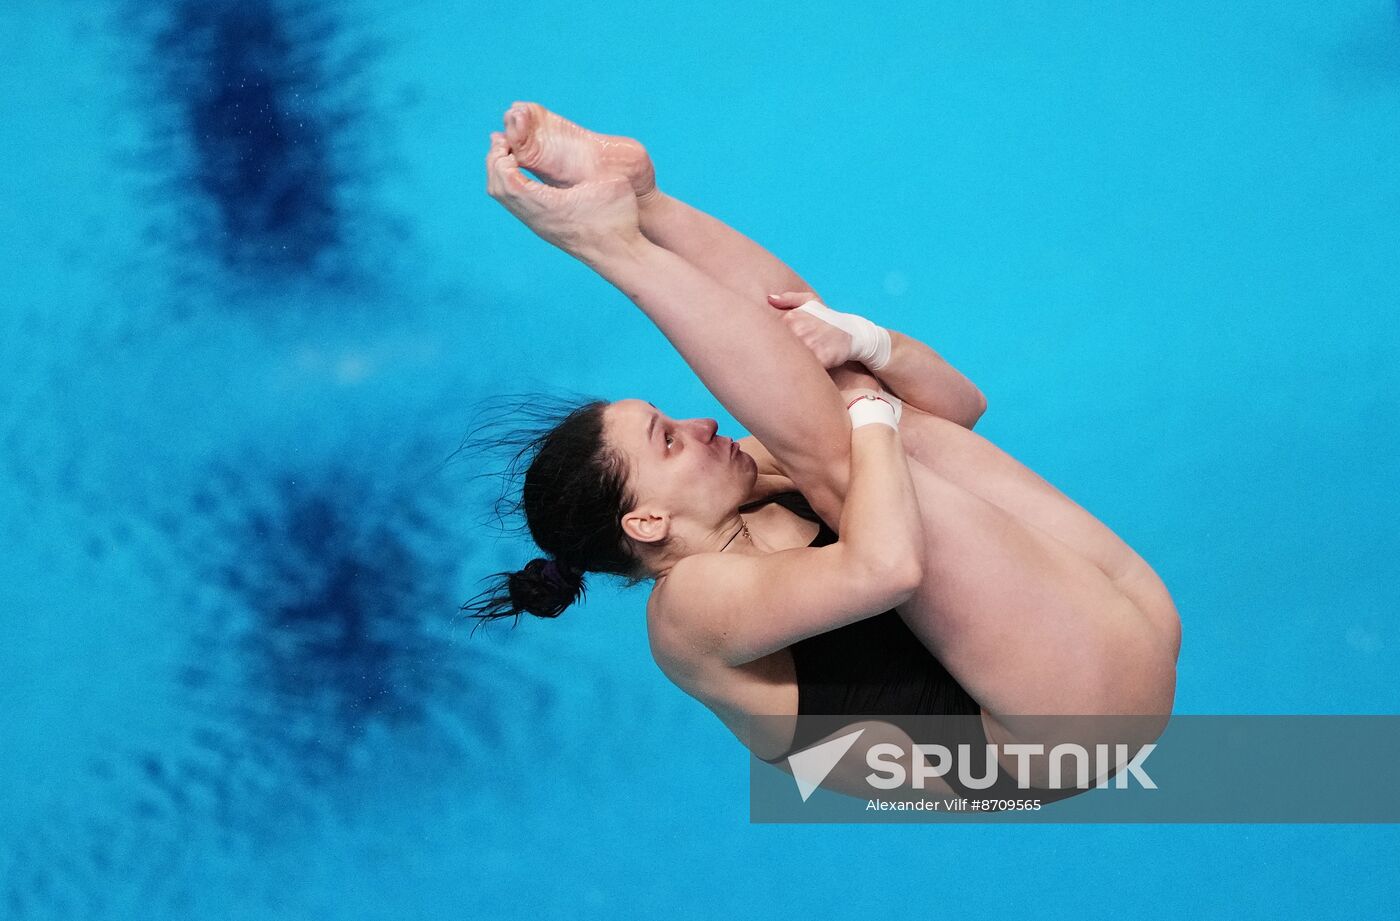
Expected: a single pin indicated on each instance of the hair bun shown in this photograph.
(545, 587)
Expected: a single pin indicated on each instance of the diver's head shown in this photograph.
(683, 478)
(616, 488)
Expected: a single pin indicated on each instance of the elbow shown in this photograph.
(882, 580)
(897, 577)
(908, 578)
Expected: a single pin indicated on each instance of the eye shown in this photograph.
(669, 438)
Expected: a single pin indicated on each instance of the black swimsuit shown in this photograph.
(873, 666)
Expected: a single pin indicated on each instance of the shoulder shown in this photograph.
(681, 600)
(681, 631)
(734, 608)
(702, 604)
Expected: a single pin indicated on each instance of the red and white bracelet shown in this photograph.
(868, 409)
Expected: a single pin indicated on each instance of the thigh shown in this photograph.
(1026, 623)
(982, 468)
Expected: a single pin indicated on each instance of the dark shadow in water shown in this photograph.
(317, 666)
(344, 579)
(259, 109)
(263, 158)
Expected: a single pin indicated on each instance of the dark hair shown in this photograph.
(573, 498)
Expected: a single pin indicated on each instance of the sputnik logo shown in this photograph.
(810, 766)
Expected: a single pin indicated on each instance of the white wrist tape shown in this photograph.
(870, 344)
(870, 410)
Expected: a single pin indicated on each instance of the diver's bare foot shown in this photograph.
(562, 153)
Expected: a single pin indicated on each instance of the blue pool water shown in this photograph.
(254, 291)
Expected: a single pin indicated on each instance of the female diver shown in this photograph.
(960, 582)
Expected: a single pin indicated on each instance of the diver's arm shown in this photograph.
(933, 388)
(739, 348)
(925, 380)
(741, 607)
(911, 370)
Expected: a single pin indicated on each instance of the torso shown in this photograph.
(765, 686)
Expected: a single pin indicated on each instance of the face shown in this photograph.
(680, 470)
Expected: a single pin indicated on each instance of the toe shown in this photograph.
(514, 124)
(522, 128)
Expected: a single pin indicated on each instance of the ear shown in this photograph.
(646, 525)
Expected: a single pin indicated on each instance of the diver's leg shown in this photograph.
(971, 461)
(562, 152)
(1024, 622)
(984, 469)
(718, 250)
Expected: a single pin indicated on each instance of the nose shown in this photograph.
(707, 428)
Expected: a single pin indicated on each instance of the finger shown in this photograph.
(516, 184)
(515, 180)
(497, 150)
(789, 299)
(795, 321)
(505, 168)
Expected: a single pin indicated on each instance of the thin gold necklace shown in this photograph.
(743, 529)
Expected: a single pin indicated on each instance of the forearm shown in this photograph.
(745, 356)
(880, 521)
(925, 380)
(906, 367)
